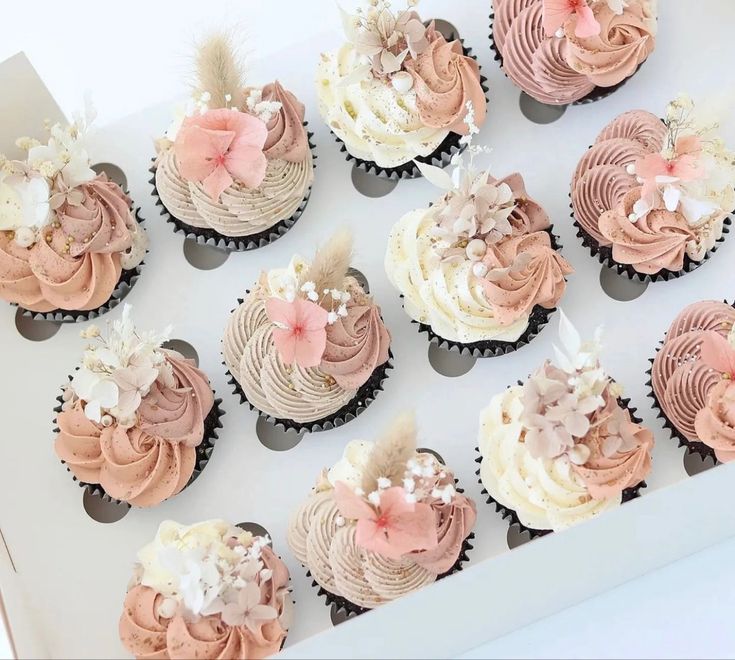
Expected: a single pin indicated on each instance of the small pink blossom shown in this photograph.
(301, 335)
(556, 13)
(655, 169)
(394, 527)
(718, 353)
(219, 147)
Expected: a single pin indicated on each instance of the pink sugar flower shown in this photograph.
(394, 527)
(219, 147)
(718, 353)
(655, 169)
(556, 13)
(301, 335)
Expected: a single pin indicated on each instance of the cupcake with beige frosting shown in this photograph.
(384, 521)
(235, 168)
(479, 270)
(651, 198)
(396, 91)
(572, 51)
(208, 590)
(564, 446)
(71, 247)
(137, 422)
(307, 347)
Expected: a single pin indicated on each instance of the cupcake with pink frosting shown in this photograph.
(563, 447)
(307, 348)
(208, 590)
(386, 520)
(572, 51)
(396, 91)
(70, 245)
(235, 168)
(137, 422)
(480, 270)
(651, 198)
(692, 380)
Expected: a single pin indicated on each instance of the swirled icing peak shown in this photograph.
(383, 522)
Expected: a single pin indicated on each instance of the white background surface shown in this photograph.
(136, 57)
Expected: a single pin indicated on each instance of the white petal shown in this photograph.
(435, 175)
(695, 210)
(672, 195)
(92, 411)
(359, 74)
(568, 334)
(106, 392)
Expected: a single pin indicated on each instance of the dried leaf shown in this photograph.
(331, 262)
(219, 72)
(391, 453)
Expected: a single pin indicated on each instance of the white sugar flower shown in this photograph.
(24, 201)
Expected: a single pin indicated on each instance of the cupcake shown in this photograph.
(307, 348)
(572, 51)
(651, 198)
(479, 270)
(692, 380)
(563, 447)
(70, 245)
(235, 168)
(396, 91)
(386, 520)
(137, 422)
(209, 590)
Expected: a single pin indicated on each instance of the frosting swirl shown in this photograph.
(715, 422)
(154, 459)
(287, 139)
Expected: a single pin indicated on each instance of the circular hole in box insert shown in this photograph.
(435, 454)
(449, 363)
(35, 330)
(539, 113)
(183, 347)
(446, 29)
(516, 537)
(360, 277)
(694, 463)
(370, 185)
(113, 172)
(256, 530)
(619, 287)
(204, 257)
(276, 438)
(103, 510)
(338, 615)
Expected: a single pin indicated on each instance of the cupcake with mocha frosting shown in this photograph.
(572, 51)
(479, 270)
(70, 245)
(235, 169)
(208, 590)
(563, 447)
(692, 380)
(137, 422)
(396, 91)
(651, 198)
(307, 348)
(386, 520)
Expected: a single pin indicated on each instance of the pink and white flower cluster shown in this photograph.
(557, 12)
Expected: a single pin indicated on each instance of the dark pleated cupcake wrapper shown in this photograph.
(538, 318)
(700, 448)
(127, 279)
(212, 422)
(441, 157)
(208, 236)
(596, 94)
(512, 517)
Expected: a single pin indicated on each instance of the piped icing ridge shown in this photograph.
(384, 522)
(240, 610)
(562, 448)
(396, 89)
(306, 338)
(134, 428)
(561, 67)
(694, 389)
(656, 192)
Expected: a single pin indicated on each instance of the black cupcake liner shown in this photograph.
(537, 320)
(509, 514)
(597, 94)
(127, 279)
(703, 450)
(208, 236)
(212, 422)
(440, 157)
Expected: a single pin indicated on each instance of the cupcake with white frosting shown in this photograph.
(564, 446)
(386, 520)
(307, 348)
(479, 270)
(396, 91)
(235, 168)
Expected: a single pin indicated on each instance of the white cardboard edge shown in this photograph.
(540, 578)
